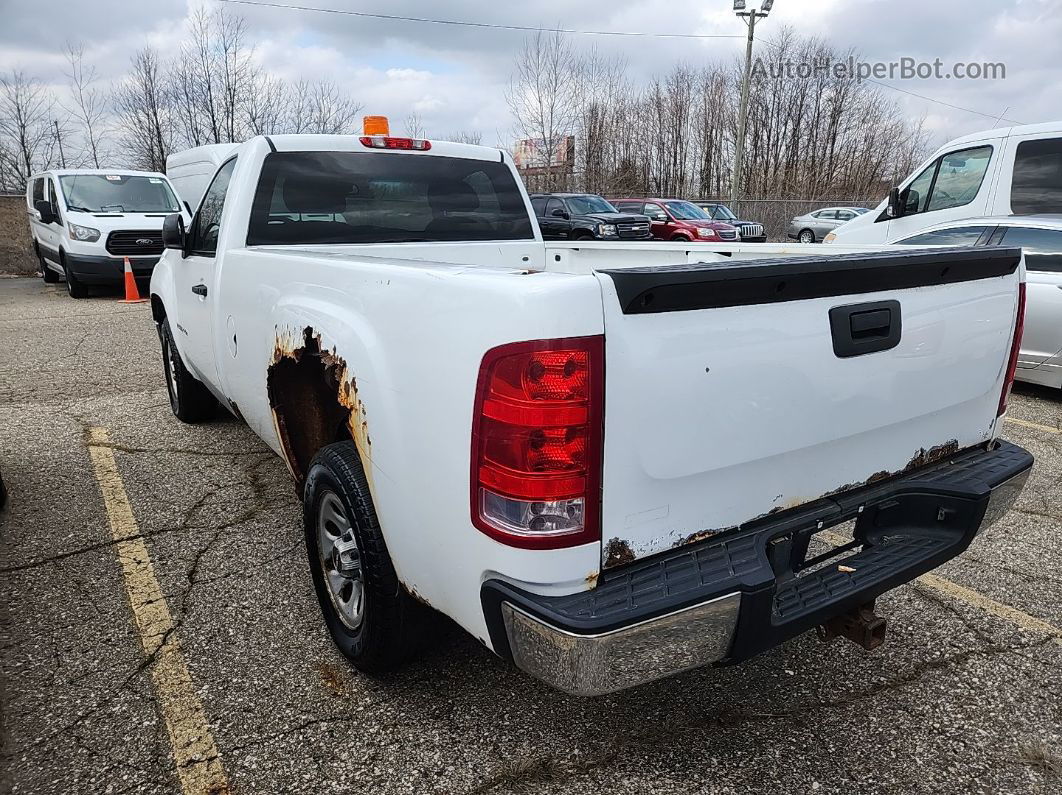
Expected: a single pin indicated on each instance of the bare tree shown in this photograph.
(415, 126)
(320, 107)
(542, 94)
(88, 106)
(267, 105)
(465, 137)
(144, 111)
(26, 127)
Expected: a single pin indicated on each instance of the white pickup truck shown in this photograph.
(604, 460)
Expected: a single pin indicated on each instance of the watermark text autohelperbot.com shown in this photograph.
(905, 68)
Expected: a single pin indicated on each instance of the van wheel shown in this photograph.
(371, 618)
(49, 276)
(190, 401)
(73, 287)
(806, 236)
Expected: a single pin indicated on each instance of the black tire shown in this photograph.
(393, 626)
(49, 276)
(681, 239)
(190, 401)
(74, 288)
(800, 236)
(584, 236)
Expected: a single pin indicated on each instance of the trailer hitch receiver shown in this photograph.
(862, 626)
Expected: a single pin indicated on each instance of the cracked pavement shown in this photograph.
(957, 700)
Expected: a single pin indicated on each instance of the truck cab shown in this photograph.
(603, 460)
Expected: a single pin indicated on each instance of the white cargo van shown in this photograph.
(84, 223)
(190, 171)
(1006, 171)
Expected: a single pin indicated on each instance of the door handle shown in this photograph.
(858, 329)
(200, 289)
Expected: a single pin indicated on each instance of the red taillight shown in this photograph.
(536, 443)
(388, 142)
(1015, 347)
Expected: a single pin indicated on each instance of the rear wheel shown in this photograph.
(74, 288)
(371, 618)
(806, 236)
(190, 401)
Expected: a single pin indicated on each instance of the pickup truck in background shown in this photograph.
(605, 461)
(585, 216)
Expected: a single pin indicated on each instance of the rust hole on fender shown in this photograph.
(618, 552)
(314, 401)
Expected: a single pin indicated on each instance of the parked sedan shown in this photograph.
(748, 231)
(814, 226)
(1040, 236)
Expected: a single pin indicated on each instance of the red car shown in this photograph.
(677, 219)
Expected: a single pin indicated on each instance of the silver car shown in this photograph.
(1040, 236)
(814, 226)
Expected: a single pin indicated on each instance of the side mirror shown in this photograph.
(895, 209)
(909, 199)
(44, 209)
(559, 214)
(173, 232)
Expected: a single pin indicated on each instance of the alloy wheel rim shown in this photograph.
(340, 559)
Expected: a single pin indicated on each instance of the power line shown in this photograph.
(465, 23)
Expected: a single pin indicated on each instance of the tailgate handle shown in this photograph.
(858, 329)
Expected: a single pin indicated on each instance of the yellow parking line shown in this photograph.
(1035, 425)
(971, 597)
(198, 764)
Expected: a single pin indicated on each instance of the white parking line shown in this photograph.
(194, 752)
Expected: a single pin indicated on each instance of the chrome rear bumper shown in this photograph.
(591, 665)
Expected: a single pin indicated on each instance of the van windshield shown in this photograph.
(117, 193)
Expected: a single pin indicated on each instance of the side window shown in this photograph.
(553, 205)
(38, 190)
(207, 224)
(1043, 247)
(52, 200)
(1037, 182)
(845, 215)
(827, 215)
(956, 236)
(655, 212)
(959, 178)
(539, 205)
(917, 193)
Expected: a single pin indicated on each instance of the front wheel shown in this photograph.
(681, 239)
(74, 288)
(189, 399)
(807, 236)
(49, 276)
(371, 618)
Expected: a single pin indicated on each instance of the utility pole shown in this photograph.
(59, 138)
(749, 18)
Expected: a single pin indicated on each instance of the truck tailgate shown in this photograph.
(734, 390)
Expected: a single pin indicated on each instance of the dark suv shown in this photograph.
(749, 231)
(585, 216)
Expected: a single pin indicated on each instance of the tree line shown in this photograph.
(822, 137)
(817, 138)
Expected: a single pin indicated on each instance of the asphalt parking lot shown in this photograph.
(966, 695)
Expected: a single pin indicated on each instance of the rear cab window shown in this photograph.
(382, 197)
(1036, 186)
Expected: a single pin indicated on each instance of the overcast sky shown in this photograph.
(455, 77)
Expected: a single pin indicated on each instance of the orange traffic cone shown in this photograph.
(132, 295)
